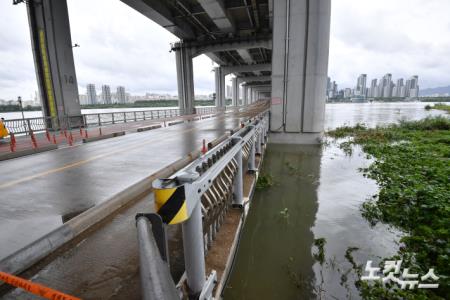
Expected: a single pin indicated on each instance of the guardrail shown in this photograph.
(25, 126)
(198, 197)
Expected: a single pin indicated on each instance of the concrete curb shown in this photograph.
(17, 154)
(42, 247)
(103, 137)
(146, 128)
(175, 123)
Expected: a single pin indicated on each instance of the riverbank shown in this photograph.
(411, 168)
(439, 106)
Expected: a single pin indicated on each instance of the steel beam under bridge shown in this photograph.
(53, 58)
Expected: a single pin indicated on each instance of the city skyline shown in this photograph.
(382, 88)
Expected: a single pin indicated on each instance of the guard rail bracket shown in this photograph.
(159, 232)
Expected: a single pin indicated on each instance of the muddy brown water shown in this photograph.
(317, 193)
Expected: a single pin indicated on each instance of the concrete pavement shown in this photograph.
(40, 192)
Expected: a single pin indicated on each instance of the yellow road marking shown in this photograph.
(76, 164)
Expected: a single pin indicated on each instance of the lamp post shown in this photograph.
(19, 100)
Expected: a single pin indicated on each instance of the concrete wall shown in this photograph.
(299, 69)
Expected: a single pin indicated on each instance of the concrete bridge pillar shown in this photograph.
(235, 91)
(185, 79)
(301, 36)
(220, 87)
(53, 59)
(244, 95)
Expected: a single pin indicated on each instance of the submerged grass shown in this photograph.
(412, 168)
(440, 106)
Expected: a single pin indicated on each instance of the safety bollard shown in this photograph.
(70, 139)
(54, 139)
(65, 133)
(47, 134)
(33, 140)
(13, 139)
(100, 131)
(12, 145)
(204, 150)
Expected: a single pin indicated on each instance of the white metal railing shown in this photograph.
(198, 197)
(25, 126)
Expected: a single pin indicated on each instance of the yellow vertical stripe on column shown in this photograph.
(47, 75)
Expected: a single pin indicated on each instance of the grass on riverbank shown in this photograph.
(439, 106)
(412, 168)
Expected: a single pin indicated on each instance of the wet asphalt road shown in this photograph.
(39, 192)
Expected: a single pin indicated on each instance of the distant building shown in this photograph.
(121, 95)
(373, 88)
(106, 94)
(414, 87)
(361, 84)
(91, 94)
(347, 93)
(83, 99)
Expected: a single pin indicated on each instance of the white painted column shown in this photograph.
(220, 87)
(301, 36)
(235, 91)
(245, 95)
(185, 80)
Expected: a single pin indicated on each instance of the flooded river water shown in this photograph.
(317, 193)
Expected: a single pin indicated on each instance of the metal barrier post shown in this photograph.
(194, 254)
(135, 118)
(251, 157)
(99, 120)
(259, 141)
(29, 129)
(124, 117)
(238, 189)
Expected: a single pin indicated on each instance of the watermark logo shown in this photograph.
(392, 273)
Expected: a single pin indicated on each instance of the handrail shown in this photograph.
(39, 124)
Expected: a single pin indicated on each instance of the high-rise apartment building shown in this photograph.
(373, 87)
(106, 94)
(361, 84)
(91, 94)
(121, 95)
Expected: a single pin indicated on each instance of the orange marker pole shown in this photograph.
(54, 139)
(47, 134)
(33, 140)
(35, 288)
(204, 150)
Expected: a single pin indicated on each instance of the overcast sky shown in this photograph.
(121, 47)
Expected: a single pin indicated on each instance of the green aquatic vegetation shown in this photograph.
(439, 106)
(292, 169)
(264, 181)
(320, 254)
(411, 164)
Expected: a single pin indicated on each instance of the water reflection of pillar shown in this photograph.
(274, 258)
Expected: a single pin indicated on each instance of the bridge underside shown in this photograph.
(273, 49)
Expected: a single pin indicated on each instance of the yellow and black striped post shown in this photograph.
(170, 201)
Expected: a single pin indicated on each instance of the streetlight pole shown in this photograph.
(19, 100)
